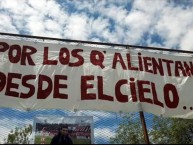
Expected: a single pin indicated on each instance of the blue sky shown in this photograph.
(155, 23)
(167, 24)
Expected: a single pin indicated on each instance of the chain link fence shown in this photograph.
(105, 124)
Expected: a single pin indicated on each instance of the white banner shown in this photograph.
(36, 75)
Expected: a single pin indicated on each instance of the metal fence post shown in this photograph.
(144, 127)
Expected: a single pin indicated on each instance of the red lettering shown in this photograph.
(130, 67)
(85, 86)
(44, 93)
(78, 56)
(154, 93)
(168, 62)
(133, 90)
(46, 61)
(97, 58)
(118, 58)
(147, 64)
(16, 58)
(143, 90)
(102, 96)
(140, 62)
(11, 85)
(3, 46)
(188, 69)
(2, 81)
(31, 87)
(157, 66)
(175, 100)
(27, 55)
(120, 97)
(57, 87)
(64, 60)
(179, 68)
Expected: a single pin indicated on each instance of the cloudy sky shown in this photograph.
(157, 23)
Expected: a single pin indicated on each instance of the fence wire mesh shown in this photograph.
(105, 124)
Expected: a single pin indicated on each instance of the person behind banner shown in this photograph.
(62, 137)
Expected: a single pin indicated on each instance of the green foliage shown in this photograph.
(172, 131)
(163, 131)
(19, 135)
(129, 131)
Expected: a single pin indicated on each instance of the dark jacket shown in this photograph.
(59, 139)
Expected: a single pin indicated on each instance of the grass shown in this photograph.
(48, 140)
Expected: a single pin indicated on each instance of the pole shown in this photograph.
(144, 127)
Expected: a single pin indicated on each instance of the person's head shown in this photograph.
(64, 130)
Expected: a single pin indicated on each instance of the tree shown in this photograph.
(20, 135)
(172, 131)
(129, 131)
(164, 130)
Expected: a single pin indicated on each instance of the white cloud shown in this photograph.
(98, 25)
(138, 23)
(36, 25)
(150, 7)
(6, 24)
(117, 13)
(186, 42)
(104, 133)
(108, 21)
(42, 6)
(76, 27)
(52, 25)
(16, 7)
(174, 24)
(45, 18)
